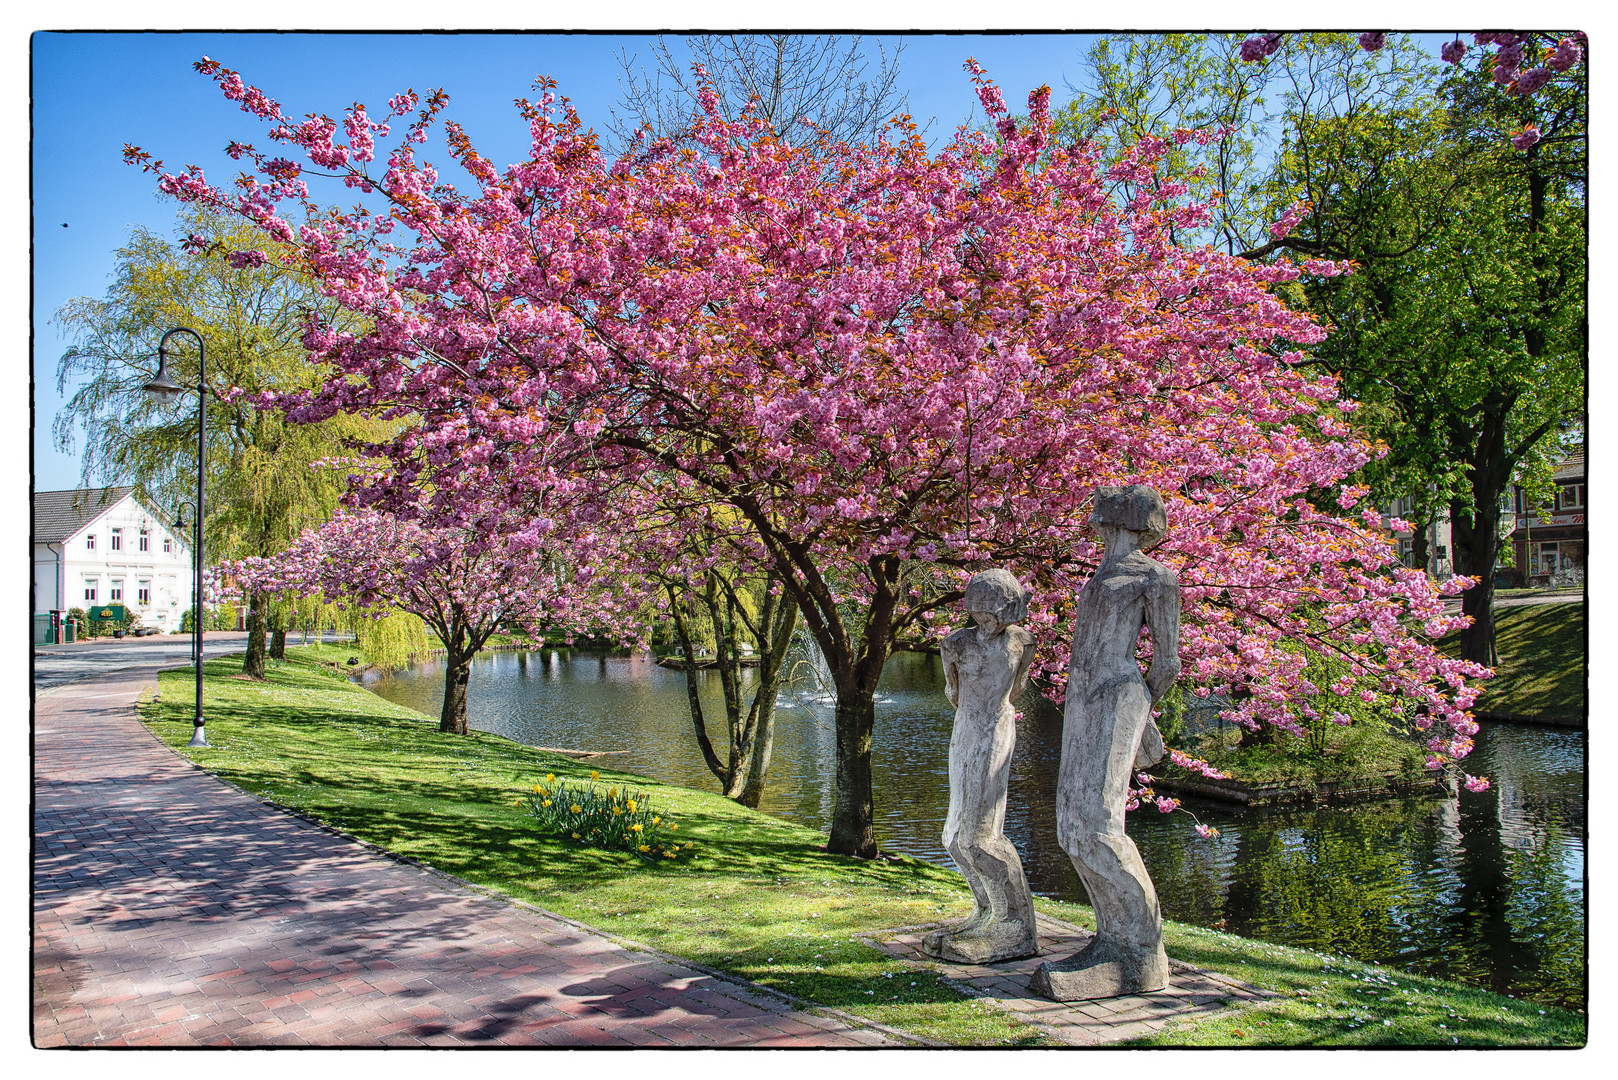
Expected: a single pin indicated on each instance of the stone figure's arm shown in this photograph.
(952, 684)
(1163, 620)
(1025, 661)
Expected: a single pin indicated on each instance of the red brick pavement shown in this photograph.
(173, 910)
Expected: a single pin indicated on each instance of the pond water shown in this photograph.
(1485, 888)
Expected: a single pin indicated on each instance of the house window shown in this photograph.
(115, 590)
(168, 545)
(117, 539)
(145, 541)
(143, 593)
(89, 591)
(1571, 497)
(90, 542)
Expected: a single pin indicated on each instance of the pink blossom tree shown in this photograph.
(464, 582)
(888, 366)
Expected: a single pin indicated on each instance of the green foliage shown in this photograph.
(1329, 753)
(612, 819)
(221, 616)
(393, 640)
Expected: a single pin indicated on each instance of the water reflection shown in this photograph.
(1487, 888)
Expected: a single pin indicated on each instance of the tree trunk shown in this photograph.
(457, 672)
(1474, 529)
(278, 637)
(780, 629)
(253, 666)
(852, 811)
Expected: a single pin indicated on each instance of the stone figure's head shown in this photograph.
(1137, 508)
(995, 599)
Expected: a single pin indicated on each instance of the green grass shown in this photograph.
(1542, 662)
(759, 898)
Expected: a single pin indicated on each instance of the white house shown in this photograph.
(108, 547)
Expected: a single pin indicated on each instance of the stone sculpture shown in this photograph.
(1108, 733)
(985, 668)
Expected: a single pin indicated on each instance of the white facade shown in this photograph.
(122, 553)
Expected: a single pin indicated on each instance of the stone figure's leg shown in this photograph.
(1126, 955)
(1002, 925)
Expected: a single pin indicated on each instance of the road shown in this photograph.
(58, 664)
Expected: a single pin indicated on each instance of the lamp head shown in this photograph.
(162, 389)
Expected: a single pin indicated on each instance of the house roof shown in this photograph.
(1571, 467)
(60, 514)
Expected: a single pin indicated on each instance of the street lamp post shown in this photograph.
(164, 389)
(180, 524)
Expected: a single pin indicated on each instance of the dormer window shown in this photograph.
(145, 541)
(168, 545)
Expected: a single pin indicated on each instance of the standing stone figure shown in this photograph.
(1107, 733)
(985, 667)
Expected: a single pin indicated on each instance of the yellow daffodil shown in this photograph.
(631, 806)
(547, 802)
(644, 847)
(550, 778)
(657, 820)
(635, 827)
(575, 809)
(575, 836)
(595, 775)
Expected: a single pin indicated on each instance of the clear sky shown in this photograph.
(93, 92)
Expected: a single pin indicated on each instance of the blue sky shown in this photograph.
(166, 108)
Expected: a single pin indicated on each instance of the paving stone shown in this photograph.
(1190, 993)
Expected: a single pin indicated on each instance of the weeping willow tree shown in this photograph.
(262, 488)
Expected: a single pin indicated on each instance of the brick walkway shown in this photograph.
(173, 910)
(1191, 993)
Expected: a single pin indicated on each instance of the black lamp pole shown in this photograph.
(162, 388)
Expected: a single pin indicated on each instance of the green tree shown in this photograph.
(261, 488)
(1462, 331)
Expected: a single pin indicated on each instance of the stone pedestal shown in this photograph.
(990, 944)
(1104, 969)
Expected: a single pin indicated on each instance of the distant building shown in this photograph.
(1440, 555)
(108, 547)
(1549, 540)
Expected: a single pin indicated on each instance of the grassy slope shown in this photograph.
(1542, 661)
(759, 899)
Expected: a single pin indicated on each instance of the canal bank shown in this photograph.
(762, 901)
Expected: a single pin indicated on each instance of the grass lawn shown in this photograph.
(755, 895)
(1542, 662)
